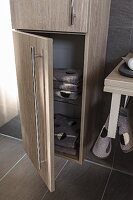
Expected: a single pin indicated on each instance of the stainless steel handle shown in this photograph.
(73, 14)
(33, 57)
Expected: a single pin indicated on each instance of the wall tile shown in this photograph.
(121, 13)
(131, 42)
(118, 46)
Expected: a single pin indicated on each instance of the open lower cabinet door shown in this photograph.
(34, 67)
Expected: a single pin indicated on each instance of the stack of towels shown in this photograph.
(66, 134)
(67, 84)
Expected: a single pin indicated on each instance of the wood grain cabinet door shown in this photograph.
(50, 15)
(34, 67)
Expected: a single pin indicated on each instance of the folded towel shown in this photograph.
(70, 101)
(64, 150)
(66, 94)
(68, 75)
(69, 129)
(67, 86)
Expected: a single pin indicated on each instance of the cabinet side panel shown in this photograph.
(94, 63)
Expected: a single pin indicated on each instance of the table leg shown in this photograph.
(114, 113)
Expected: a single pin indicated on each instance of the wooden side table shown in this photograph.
(118, 85)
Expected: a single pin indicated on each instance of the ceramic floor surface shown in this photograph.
(20, 181)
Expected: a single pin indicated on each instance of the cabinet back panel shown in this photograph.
(68, 51)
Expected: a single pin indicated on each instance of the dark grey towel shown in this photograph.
(70, 128)
(64, 150)
(67, 94)
(68, 75)
(67, 86)
(70, 101)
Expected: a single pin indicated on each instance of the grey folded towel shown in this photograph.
(67, 94)
(69, 129)
(64, 150)
(67, 86)
(68, 75)
(70, 101)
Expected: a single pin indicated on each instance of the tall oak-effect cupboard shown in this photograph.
(58, 34)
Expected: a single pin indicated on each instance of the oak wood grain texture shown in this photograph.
(44, 78)
(94, 63)
(49, 15)
(118, 83)
(121, 91)
(11, 151)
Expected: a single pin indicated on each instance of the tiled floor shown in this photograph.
(110, 179)
(20, 181)
(12, 128)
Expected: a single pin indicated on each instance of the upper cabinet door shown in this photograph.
(50, 15)
(34, 67)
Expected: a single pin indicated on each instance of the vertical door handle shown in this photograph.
(72, 13)
(36, 104)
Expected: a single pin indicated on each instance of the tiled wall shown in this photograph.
(120, 42)
(120, 39)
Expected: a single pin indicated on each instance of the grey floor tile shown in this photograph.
(11, 151)
(59, 164)
(121, 13)
(123, 161)
(120, 187)
(24, 183)
(80, 182)
(12, 128)
(1, 137)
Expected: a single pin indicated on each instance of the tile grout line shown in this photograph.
(119, 170)
(12, 168)
(61, 170)
(120, 27)
(106, 185)
(56, 178)
(98, 164)
(8, 136)
(115, 149)
(109, 174)
(123, 172)
(44, 194)
(131, 33)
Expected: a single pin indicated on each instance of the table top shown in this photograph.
(117, 83)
